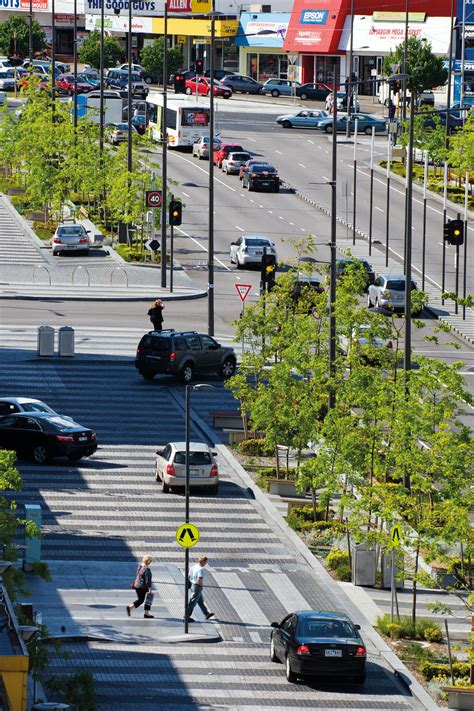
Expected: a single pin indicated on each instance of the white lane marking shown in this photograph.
(325, 177)
(203, 170)
(279, 152)
(280, 217)
(310, 141)
(247, 138)
(302, 229)
(185, 194)
(239, 228)
(260, 205)
(271, 212)
(292, 224)
(379, 208)
(302, 165)
(185, 234)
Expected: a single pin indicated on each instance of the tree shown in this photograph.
(89, 51)
(461, 154)
(425, 69)
(152, 57)
(15, 36)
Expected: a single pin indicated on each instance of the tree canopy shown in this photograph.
(151, 57)
(89, 51)
(425, 69)
(15, 36)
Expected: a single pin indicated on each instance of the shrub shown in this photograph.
(338, 562)
(254, 447)
(77, 690)
(20, 201)
(424, 629)
(135, 254)
(44, 231)
(301, 519)
(272, 472)
(430, 670)
(433, 634)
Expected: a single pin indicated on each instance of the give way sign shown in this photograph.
(243, 290)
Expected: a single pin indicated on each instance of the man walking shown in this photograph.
(196, 579)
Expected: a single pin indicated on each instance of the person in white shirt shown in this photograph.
(196, 579)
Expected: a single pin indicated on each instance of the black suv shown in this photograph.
(180, 353)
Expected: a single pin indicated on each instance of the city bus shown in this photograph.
(187, 119)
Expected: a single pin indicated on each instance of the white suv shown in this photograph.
(170, 466)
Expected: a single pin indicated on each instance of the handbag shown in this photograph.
(149, 598)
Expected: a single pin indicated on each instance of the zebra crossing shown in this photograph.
(103, 513)
(16, 247)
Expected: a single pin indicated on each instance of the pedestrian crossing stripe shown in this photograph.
(187, 535)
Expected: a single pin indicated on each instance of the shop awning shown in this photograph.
(316, 26)
(374, 37)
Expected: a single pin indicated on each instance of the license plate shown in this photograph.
(82, 439)
(195, 472)
(257, 252)
(265, 183)
(333, 652)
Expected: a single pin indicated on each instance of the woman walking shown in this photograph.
(156, 315)
(142, 586)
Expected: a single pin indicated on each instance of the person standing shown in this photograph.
(196, 579)
(142, 586)
(156, 315)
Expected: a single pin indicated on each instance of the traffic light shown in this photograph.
(175, 212)
(268, 271)
(179, 84)
(199, 66)
(454, 232)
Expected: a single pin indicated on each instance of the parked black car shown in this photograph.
(118, 79)
(344, 262)
(314, 643)
(261, 177)
(181, 353)
(42, 436)
(313, 91)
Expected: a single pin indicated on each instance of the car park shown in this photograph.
(91, 78)
(170, 466)
(202, 86)
(242, 84)
(223, 152)
(42, 436)
(65, 83)
(261, 176)
(305, 118)
(388, 292)
(201, 147)
(234, 161)
(312, 643)
(70, 238)
(280, 87)
(249, 250)
(181, 354)
(365, 123)
(318, 92)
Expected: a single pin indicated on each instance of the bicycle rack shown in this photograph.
(41, 266)
(85, 270)
(120, 269)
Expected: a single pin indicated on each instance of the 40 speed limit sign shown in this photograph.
(153, 198)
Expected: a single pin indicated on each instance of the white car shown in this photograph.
(10, 405)
(231, 164)
(3, 98)
(170, 466)
(362, 339)
(250, 249)
(70, 238)
(388, 292)
(201, 147)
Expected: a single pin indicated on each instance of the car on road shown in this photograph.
(42, 436)
(318, 92)
(312, 643)
(363, 339)
(219, 74)
(3, 98)
(365, 123)
(119, 132)
(118, 79)
(242, 84)
(65, 84)
(182, 353)
(455, 121)
(141, 71)
(280, 87)
(139, 123)
(201, 147)
(303, 119)
(185, 73)
(234, 161)
(70, 238)
(223, 152)
(11, 405)
(248, 166)
(425, 98)
(170, 466)
(344, 263)
(248, 250)
(341, 102)
(261, 176)
(388, 292)
(203, 86)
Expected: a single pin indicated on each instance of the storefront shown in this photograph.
(260, 38)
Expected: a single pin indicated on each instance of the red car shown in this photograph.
(204, 87)
(223, 152)
(65, 83)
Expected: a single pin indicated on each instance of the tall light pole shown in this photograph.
(408, 242)
(75, 62)
(101, 79)
(129, 89)
(53, 54)
(333, 244)
(350, 88)
(210, 253)
(30, 42)
(405, 60)
(164, 144)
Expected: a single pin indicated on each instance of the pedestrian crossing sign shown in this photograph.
(396, 535)
(187, 535)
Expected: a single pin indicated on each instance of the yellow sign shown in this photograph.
(201, 41)
(191, 27)
(396, 535)
(201, 7)
(387, 16)
(187, 535)
(181, 39)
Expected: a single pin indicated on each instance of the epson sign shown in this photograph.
(313, 17)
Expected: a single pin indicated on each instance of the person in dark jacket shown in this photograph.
(156, 315)
(142, 586)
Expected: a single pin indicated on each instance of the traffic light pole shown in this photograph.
(164, 144)
(210, 244)
(171, 249)
(408, 244)
(332, 270)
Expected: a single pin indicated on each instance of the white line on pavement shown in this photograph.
(310, 141)
(279, 152)
(379, 209)
(239, 228)
(302, 165)
(185, 234)
(185, 194)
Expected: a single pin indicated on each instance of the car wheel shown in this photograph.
(360, 678)
(227, 171)
(273, 654)
(40, 454)
(164, 487)
(147, 375)
(328, 129)
(189, 90)
(227, 369)
(275, 93)
(304, 96)
(368, 131)
(187, 373)
(277, 189)
(290, 674)
(287, 124)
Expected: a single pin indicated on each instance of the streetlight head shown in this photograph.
(4, 565)
(202, 386)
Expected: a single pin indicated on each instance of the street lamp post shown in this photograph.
(75, 62)
(101, 78)
(129, 89)
(408, 243)
(164, 145)
(210, 253)
(30, 42)
(350, 88)
(332, 270)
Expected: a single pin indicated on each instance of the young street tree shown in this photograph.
(424, 68)
(151, 57)
(89, 51)
(15, 36)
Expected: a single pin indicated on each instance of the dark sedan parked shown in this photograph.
(261, 176)
(314, 643)
(246, 85)
(42, 436)
(319, 92)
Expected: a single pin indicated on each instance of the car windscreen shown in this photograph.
(325, 628)
(398, 285)
(194, 458)
(35, 407)
(157, 344)
(121, 126)
(256, 242)
(71, 231)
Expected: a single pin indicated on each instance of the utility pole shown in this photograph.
(408, 244)
(75, 62)
(101, 78)
(210, 253)
(350, 88)
(332, 272)
(129, 89)
(405, 60)
(30, 42)
(164, 144)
